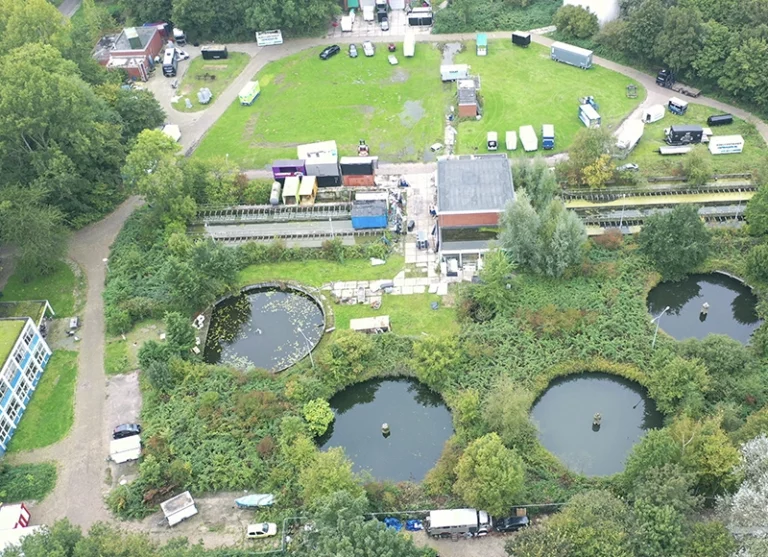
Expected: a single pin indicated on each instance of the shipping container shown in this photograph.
(573, 55)
(322, 149)
(720, 120)
(364, 180)
(356, 166)
(214, 52)
(369, 214)
(683, 135)
(322, 167)
(521, 38)
(291, 190)
(528, 138)
(589, 116)
(548, 136)
(726, 144)
(328, 181)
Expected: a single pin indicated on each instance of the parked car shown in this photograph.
(329, 51)
(352, 51)
(392, 59)
(368, 48)
(391, 47)
(629, 167)
(385, 25)
(262, 530)
(510, 524)
(435, 147)
(126, 430)
(182, 54)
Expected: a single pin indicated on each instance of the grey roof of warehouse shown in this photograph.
(145, 35)
(474, 183)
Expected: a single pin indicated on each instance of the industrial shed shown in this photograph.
(467, 93)
(369, 214)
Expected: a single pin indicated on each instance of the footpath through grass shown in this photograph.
(199, 75)
(652, 163)
(523, 86)
(398, 110)
(317, 272)
(58, 288)
(51, 410)
(26, 482)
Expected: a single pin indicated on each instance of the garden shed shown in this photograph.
(308, 190)
(291, 190)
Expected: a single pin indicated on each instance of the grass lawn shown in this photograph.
(317, 272)
(27, 482)
(523, 86)
(652, 163)
(58, 288)
(225, 71)
(409, 315)
(51, 410)
(398, 110)
(116, 357)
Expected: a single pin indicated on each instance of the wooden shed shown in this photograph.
(308, 190)
(291, 190)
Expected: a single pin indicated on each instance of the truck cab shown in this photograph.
(548, 136)
(665, 78)
(492, 141)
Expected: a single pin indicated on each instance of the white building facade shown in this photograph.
(605, 10)
(20, 374)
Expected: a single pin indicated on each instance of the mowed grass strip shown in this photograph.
(523, 86)
(652, 163)
(225, 70)
(51, 411)
(399, 110)
(58, 288)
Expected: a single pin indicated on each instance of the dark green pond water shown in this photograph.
(564, 415)
(419, 422)
(264, 328)
(731, 307)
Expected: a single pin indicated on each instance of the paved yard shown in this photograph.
(488, 546)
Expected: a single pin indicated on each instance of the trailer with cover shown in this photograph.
(458, 522)
(521, 38)
(409, 45)
(683, 135)
(589, 116)
(726, 144)
(528, 138)
(573, 55)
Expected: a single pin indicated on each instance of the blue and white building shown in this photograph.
(24, 354)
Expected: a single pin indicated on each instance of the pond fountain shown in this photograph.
(590, 421)
(705, 304)
(394, 428)
(266, 328)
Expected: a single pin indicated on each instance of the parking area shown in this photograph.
(123, 406)
(398, 25)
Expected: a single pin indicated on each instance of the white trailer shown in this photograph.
(409, 45)
(630, 134)
(528, 138)
(453, 72)
(178, 508)
(589, 116)
(654, 113)
(511, 141)
(573, 55)
(125, 449)
(451, 522)
(492, 141)
(675, 149)
(726, 144)
(368, 13)
(346, 24)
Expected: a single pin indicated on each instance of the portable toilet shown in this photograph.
(493, 141)
(482, 44)
(677, 106)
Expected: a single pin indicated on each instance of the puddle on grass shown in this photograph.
(449, 51)
(413, 111)
(399, 76)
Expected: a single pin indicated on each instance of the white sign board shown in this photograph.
(269, 38)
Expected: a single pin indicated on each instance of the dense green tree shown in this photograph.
(489, 476)
(668, 484)
(709, 539)
(697, 167)
(180, 333)
(656, 449)
(613, 35)
(676, 242)
(679, 41)
(466, 414)
(588, 148)
(319, 415)
(505, 411)
(717, 43)
(436, 360)
(149, 10)
(297, 17)
(32, 21)
(644, 24)
(575, 22)
(494, 291)
(347, 356)
(756, 212)
(329, 472)
(138, 109)
(657, 530)
(536, 178)
(519, 225)
(743, 73)
(679, 383)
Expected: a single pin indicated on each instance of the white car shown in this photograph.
(385, 25)
(182, 54)
(368, 48)
(392, 59)
(629, 167)
(262, 530)
(435, 147)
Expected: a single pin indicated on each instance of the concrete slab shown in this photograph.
(419, 289)
(407, 290)
(442, 289)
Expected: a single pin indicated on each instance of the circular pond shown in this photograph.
(564, 415)
(265, 328)
(419, 423)
(731, 307)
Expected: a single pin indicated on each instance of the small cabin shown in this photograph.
(291, 190)
(482, 44)
(308, 190)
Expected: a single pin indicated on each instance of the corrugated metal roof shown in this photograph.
(369, 208)
(469, 184)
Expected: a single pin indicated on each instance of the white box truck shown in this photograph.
(726, 144)
(629, 135)
(511, 141)
(548, 136)
(346, 24)
(528, 138)
(573, 55)
(409, 45)
(458, 522)
(589, 116)
(453, 72)
(492, 141)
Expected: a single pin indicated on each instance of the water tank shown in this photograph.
(274, 197)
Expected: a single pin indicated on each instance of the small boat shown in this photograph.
(255, 500)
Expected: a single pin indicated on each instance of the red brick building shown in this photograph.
(472, 192)
(133, 50)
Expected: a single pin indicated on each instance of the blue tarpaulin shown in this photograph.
(413, 525)
(393, 523)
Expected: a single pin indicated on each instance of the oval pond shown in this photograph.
(419, 422)
(564, 415)
(731, 307)
(266, 328)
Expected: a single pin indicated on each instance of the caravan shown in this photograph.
(454, 72)
(589, 116)
(409, 45)
(653, 113)
(170, 62)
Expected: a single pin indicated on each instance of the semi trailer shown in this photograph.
(573, 55)
(667, 79)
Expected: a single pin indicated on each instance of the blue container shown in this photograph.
(369, 214)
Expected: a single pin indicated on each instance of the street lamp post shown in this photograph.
(309, 347)
(658, 322)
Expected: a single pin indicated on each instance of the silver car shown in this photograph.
(368, 48)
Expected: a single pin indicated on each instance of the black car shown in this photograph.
(510, 524)
(329, 51)
(126, 430)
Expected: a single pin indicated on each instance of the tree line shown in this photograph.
(66, 125)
